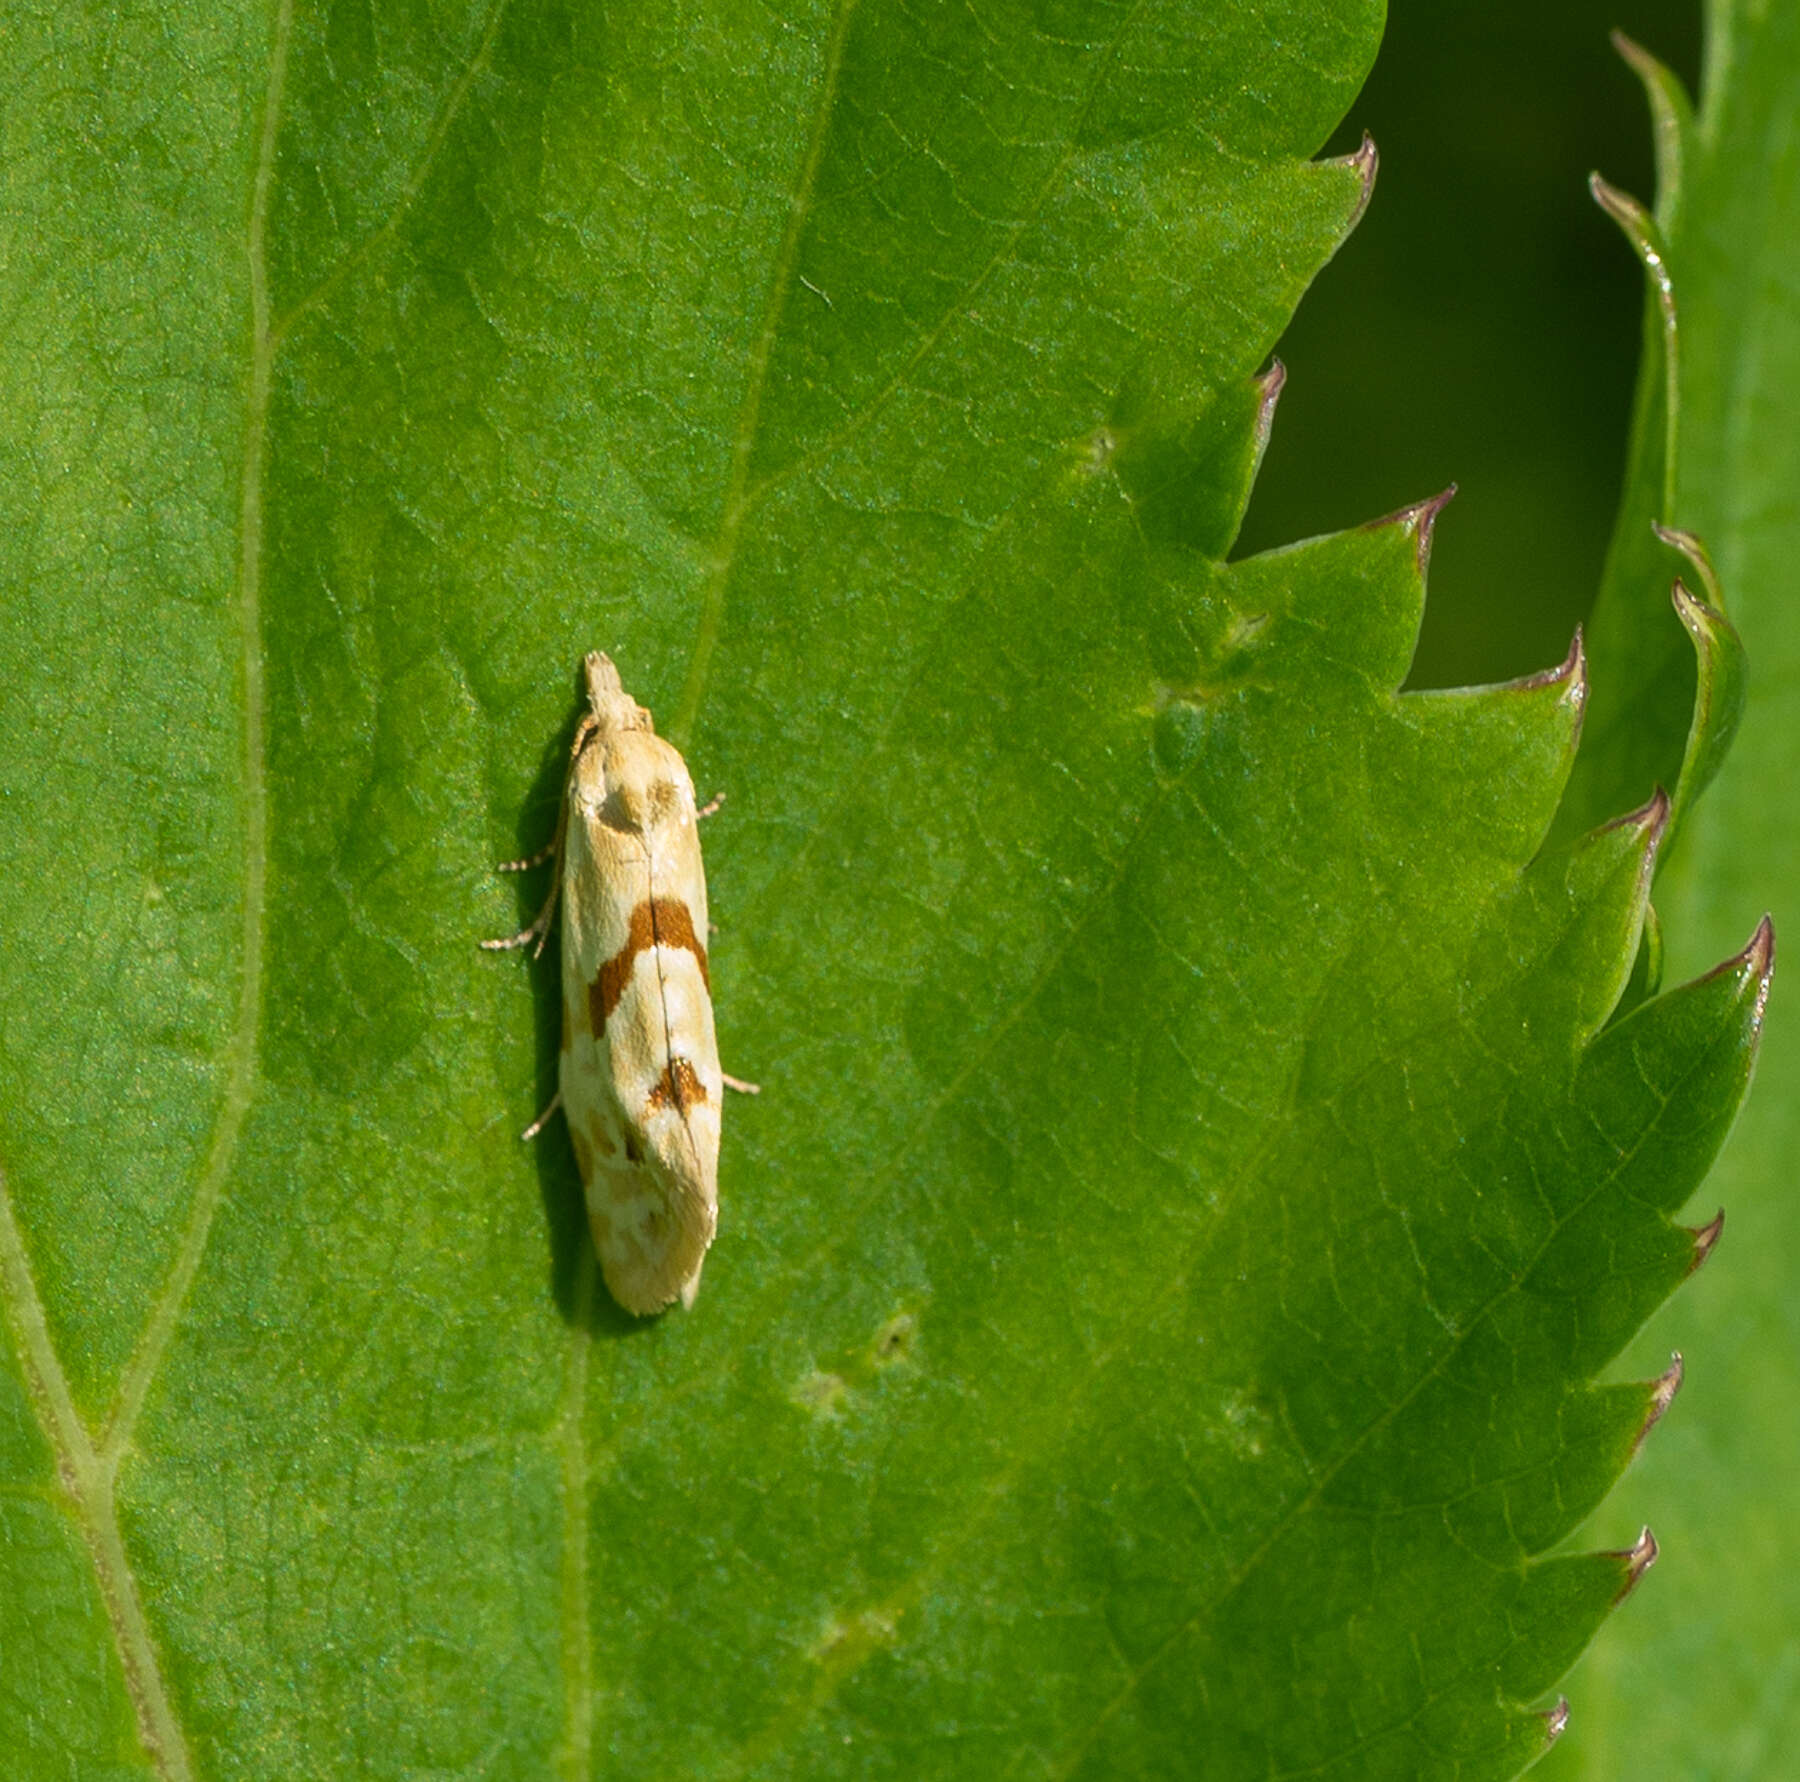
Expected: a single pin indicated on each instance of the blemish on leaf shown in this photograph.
(823, 1395)
(894, 1340)
(1180, 704)
(1245, 1424)
(1244, 631)
(1098, 451)
(845, 1643)
(1178, 737)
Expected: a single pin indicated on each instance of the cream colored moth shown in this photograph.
(639, 1078)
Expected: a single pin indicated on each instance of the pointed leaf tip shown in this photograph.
(1419, 518)
(1759, 955)
(1690, 546)
(1694, 612)
(1618, 204)
(1571, 669)
(1756, 965)
(1705, 1237)
(1555, 1720)
(1652, 817)
(1426, 519)
(1570, 675)
(1670, 114)
(1662, 1392)
(1638, 59)
(1365, 159)
(1269, 387)
(1643, 234)
(1639, 1557)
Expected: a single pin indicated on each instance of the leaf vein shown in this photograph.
(737, 503)
(1356, 1445)
(365, 250)
(953, 308)
(240, 1087)
(87, 1476)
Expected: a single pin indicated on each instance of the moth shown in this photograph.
(639, 1081)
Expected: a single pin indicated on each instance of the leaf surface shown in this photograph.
(1194, 1182)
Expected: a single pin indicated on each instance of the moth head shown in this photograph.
(612, 705)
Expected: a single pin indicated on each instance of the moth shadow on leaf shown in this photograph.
(559, 1182)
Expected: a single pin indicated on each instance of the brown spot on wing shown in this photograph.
(656, 922)
(678, 1087)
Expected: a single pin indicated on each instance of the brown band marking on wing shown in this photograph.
(678, 1085)
(656, 922)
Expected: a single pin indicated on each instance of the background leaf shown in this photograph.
(1160, 1279)
(1480, 326)
(1708, 1683)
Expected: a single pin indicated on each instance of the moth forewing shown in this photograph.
(639, 1075)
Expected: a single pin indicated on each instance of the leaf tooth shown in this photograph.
(1555, 1719)
(1572, 668)
(1759, 956)
(1365, 158)
(1570, 674)
(1652, 817)
(1690, 546)
(1755, 965)
(1426, 521)
(1420, 520)
(1637, 1559)
(1705, 1237)
(1699, 616)
(1720, 687)
(1671, 116)
(1660, 1394)
(1269, 387)
(1645, 236)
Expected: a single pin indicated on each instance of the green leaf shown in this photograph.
(1196, 1178)
(1701, 1683)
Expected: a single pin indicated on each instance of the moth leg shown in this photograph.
(540, 923)
(712, 804)
(740, 1085)
(542, 1120)
(539, 929)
